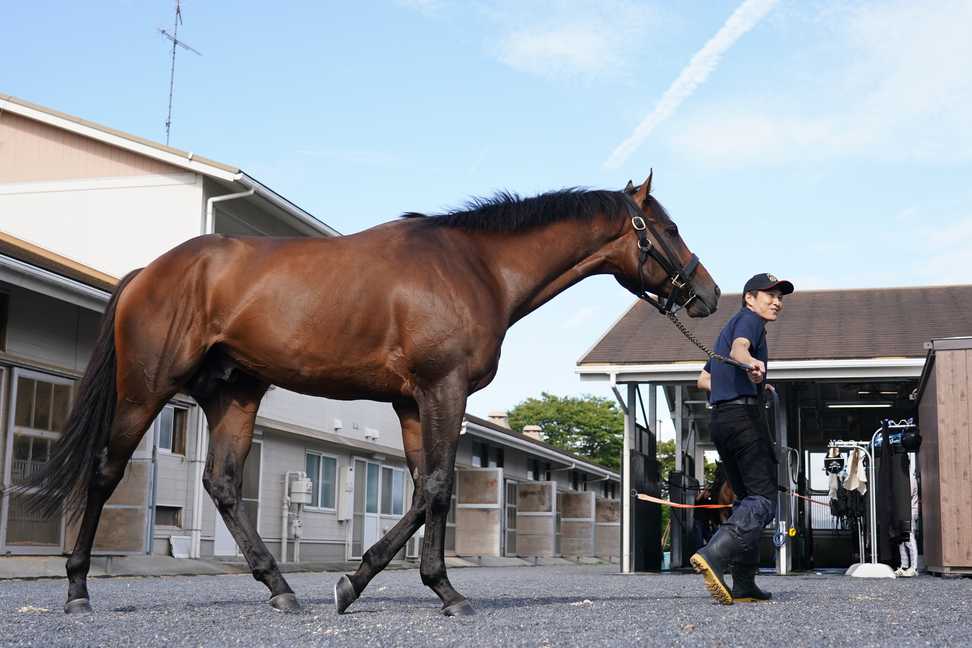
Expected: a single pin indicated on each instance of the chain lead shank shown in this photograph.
(691, 338)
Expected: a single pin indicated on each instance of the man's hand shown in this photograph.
(757, 371)
(769, 387)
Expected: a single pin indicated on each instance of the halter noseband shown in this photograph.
(681, 278)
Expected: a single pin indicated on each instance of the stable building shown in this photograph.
(518, 496)
(91, 197)
(842, 361)
(82, 204)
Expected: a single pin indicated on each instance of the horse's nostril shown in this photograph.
(718, 293)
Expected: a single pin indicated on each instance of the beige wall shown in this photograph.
(32, 151)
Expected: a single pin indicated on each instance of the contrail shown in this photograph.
(744, 18)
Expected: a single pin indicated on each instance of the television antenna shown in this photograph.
(174, 37)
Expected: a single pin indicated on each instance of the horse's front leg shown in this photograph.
(442, 409)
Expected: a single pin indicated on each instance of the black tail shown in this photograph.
(65, 478)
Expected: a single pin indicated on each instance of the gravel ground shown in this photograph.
(523, 606)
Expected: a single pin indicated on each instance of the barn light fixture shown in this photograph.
(856, 405)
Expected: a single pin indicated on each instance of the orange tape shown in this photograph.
(664, 502)
(810, 499)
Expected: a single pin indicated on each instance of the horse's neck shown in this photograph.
(534, 266)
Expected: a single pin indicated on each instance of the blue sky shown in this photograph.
(827, 142)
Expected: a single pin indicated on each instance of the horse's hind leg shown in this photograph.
(129, 425)
(376, 558)
(231, 412)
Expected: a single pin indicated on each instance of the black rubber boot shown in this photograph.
(744, 587)
(712, 561)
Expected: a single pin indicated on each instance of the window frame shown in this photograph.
(4, 316)
(394, 470)
(185, 430)
(179, 516)
(320, 481)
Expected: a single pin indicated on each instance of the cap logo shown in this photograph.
(771, 277)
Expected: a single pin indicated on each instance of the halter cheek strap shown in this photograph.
(681, 279)
(681, 282)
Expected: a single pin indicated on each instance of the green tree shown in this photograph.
(666, 458)
(589, 426)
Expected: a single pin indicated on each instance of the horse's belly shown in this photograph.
(341, 381)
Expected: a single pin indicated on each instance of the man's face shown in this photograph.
(768, 304)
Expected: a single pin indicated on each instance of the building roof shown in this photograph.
(963, 343)
(13, 247)
(815, 325)
(229, 175)
(582, 462)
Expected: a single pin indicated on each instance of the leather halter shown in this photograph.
(681, 279)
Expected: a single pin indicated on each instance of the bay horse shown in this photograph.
(411, 312)
(720, 492)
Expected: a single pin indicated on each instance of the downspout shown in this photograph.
(210, 224)
(285, 518)
(202, 431)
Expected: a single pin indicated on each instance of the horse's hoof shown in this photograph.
(77, 606)
(286, 602)
(344, 594)
(462, 608)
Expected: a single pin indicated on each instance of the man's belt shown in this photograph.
(742, 400)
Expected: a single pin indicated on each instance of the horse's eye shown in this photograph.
(673, 230)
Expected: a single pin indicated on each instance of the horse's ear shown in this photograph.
(629, 188)
(648, 182)
(640, 193)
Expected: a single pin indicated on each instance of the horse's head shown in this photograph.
(657, 261)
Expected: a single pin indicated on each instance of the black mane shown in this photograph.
(508, 212)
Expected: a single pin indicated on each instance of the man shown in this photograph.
(740, 436)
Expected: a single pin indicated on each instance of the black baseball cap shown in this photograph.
(766, 281)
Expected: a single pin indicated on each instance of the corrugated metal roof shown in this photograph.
(814, 325)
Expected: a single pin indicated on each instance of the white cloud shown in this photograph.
(558, 39)
(744, 18)
(901, 90)
(560, 50)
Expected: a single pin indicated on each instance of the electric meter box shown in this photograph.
(300, 491)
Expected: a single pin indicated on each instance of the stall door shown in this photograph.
(536, 511)
(479, 503)
(509, 532)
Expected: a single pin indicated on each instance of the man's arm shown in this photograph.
(740, 353)
(704, 381)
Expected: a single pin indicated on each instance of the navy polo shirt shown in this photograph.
(728, 382)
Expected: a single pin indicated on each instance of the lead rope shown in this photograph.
(691, 338)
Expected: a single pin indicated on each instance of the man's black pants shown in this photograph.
(740, 436)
